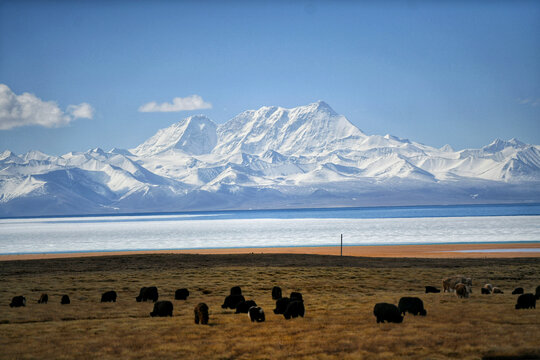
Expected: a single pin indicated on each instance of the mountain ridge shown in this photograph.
(263, 158)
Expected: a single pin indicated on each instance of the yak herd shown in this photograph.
(462, 286)
(293, 306)
(289, 307)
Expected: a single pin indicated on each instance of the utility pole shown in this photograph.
(341, 248)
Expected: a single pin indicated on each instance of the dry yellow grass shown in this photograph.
(339, 296)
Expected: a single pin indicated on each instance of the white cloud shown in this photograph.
(27, 109)
(83, 111)
(529, 101)
(192, 102)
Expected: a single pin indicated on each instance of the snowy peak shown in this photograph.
(447, 148)
(120, 151)
(194, 135)
(499, 145)
(36, 155)
(9, 156)
(319, 106)
(308, 129)
(313, 128)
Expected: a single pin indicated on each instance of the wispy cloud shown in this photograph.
(529, 101)
(192, 102)
(27, 109)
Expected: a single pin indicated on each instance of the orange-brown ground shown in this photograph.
(413, 251)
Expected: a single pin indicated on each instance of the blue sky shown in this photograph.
(458, 72)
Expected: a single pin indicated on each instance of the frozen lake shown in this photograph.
(315, 227)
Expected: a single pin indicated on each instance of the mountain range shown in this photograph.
(308, 156)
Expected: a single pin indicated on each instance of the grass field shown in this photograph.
(339, 295)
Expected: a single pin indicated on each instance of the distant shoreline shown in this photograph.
(293, 209)
(457, 250)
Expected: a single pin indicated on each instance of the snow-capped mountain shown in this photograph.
(305, 130)
(308, 156)
(195, 135)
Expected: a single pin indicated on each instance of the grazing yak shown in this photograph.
(244, 306)
(148, 293)
(485, 291)
(109, 296)
(296, 296)
(162, 308)
(231, 301)
(537, 293)
(236, 290)
(256, 313)
(432, 289)
(496, 290)
(181, 294)
(518, 290)
(281, 305)
(449, 284)
(18, 301)
(411, 305)
(294, 309)
(489, 287)
(462, 290)
(526, 301)
(387, 312)
(65, 300)
(201, 313)
(43, 299)
(276, 293)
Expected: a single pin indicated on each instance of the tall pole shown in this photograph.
(341, 248)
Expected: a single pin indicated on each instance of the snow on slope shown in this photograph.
(194, 135)
(270, 157)
(303, 130)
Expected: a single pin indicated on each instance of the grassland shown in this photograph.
(339, 295)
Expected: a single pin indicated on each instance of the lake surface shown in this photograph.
(273, 228)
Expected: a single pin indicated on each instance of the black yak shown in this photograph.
(148, 293)
(294, 309)
(518, 290)
(162, 308)
(18, 301)
(181, 294)
(231, 301)
(236, 290)
(387, 312)
(526, 301)
(281, 305)
(276, 293)
(109, 296)
(432, 289)
(411, 305)
(296, 296)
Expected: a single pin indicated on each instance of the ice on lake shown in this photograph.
(42, 235)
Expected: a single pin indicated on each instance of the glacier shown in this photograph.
(273, 157)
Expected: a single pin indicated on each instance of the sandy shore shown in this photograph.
(506, 250)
